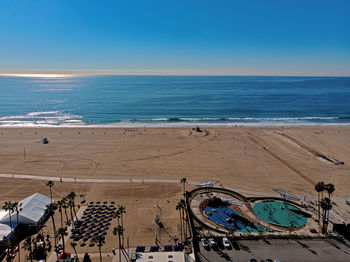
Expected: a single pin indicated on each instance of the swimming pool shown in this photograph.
(280, 213)
(227, 217)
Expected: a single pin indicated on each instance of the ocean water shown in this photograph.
(174, 100)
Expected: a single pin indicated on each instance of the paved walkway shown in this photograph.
(92, 180)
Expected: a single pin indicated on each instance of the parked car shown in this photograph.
(212, 242)
(226, 243)
(205, 243)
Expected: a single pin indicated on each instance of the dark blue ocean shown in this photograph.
(174, 100)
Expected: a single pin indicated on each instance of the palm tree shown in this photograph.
(319, 187)
(65, 206)
(182, 202)
(326, 206)
(330, 188)
(100, 240)
(183, 181)
(70, 205)
(121, 210)
(72, 196)
(27, 245)
(9, 206)
(18, 208)
(179, 207)
(50, 210)
(62, 231)
(73, 245)
(119, 231)
(117, 215)
(60, 205)
(50, 184)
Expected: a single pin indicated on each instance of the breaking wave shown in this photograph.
(59, 118)
(41, 119)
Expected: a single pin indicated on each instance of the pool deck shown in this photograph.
(245, 209)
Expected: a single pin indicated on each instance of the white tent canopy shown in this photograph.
(5, 230)
(33, 209)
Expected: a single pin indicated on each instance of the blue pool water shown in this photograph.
(240, 224)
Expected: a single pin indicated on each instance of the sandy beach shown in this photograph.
(252, 160)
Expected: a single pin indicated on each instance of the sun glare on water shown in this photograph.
(38, 75)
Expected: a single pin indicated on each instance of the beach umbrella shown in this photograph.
(154, 249)
(168, 248)
(140, 249)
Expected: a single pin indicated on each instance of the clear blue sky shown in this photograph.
(261, 37)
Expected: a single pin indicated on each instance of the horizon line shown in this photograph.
(62, 75)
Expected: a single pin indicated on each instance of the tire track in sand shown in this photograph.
(285, 163)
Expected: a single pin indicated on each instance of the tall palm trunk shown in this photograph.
(51, 193)
(328, 215)
(71, 215)
(75, 250)
(10, 221)
(180, 225)
(75, 214)
(121, 218)
(19, 248)
(54, 229)
(99, 249)
(65, 211)
(187, 224)
(324, 220)
(120, 248)
(319, 207)
(184, 224)
(63, 244)
(30, 251)
(61, 216)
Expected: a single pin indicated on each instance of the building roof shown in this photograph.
(33, 209)
(161, 257)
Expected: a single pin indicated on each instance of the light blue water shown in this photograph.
(279, 213)
(174, 100)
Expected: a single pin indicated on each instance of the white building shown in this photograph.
(33, 210)
(174, 256)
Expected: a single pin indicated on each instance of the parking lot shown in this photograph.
(279, 249)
